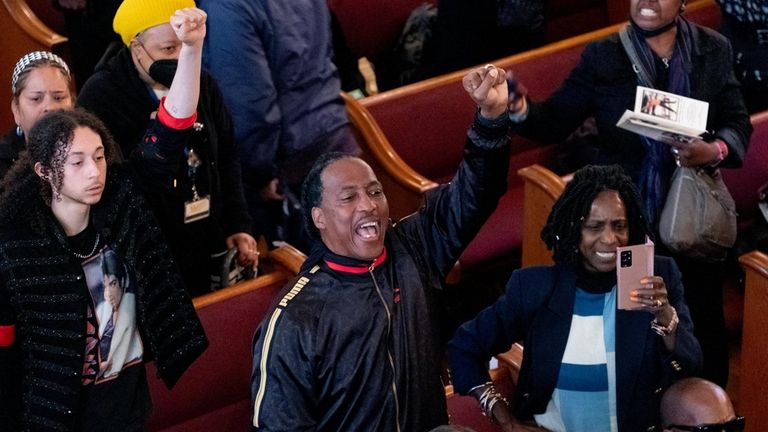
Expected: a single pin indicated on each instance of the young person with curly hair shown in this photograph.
(64, 210)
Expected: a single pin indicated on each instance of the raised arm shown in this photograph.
(158, 153)
(454, 212)
(189, 26)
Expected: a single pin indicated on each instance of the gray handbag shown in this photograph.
(699, 216)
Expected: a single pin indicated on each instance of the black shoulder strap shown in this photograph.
(642, 77)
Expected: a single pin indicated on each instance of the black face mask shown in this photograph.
(654, 32)
(163, 71)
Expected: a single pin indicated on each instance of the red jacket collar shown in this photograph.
(357, 268)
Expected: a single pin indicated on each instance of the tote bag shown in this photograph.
(699, 216)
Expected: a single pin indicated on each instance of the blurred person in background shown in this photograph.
(273, 62)
(698, 405)
(745, 23)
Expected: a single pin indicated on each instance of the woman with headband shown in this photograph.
(41, 82)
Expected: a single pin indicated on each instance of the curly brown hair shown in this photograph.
(48, 143)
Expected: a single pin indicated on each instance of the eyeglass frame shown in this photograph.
(737, 422)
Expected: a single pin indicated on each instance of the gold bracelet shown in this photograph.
(669, 328)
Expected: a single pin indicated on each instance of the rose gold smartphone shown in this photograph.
(632, 264)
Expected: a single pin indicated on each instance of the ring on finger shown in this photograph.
(659, 303)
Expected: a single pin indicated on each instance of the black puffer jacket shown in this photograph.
(354, 346)
(43, 295)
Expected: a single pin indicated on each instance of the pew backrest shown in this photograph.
(403, 186)
(744, 182)
(541, 189)
(426, 122)
(464, 410)
(371, 27)
(753, 398)
(49, 14)
(214, 393)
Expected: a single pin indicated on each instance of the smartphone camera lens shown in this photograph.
(626, 258)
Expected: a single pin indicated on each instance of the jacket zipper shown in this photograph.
(389, 353)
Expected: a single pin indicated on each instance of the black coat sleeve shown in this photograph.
(235, 218)
(10, 366)
(454, 213)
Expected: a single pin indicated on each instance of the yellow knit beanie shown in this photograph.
(135, 16)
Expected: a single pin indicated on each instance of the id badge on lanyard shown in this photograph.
(200, 206)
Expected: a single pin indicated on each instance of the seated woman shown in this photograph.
(586, 365)
(41, 82)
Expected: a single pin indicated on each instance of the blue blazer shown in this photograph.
(537, 308)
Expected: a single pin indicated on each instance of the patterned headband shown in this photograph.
(30, 58)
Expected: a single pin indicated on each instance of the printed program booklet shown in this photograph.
(661, 115)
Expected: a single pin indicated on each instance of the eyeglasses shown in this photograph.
(735, 425)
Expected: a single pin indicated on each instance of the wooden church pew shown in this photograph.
(743, 183)
(541, 188)
(463, 410)
(426, 123)
(215, 394)
(753, 399)
(404, 186)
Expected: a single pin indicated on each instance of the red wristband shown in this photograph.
(7, 335)
(722, 149)
(172, 122)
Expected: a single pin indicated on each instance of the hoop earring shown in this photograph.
(19, 131)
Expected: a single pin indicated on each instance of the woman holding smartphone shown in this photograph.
(586, 365)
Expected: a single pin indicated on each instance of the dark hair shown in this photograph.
(562, 233)
(312, 189)
(48, 143)
(112, 265)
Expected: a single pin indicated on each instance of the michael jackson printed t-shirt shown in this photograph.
(115, 394)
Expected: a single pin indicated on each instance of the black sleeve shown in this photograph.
(236, 218)
(558, 116)
(10, 366)
(454, 213)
